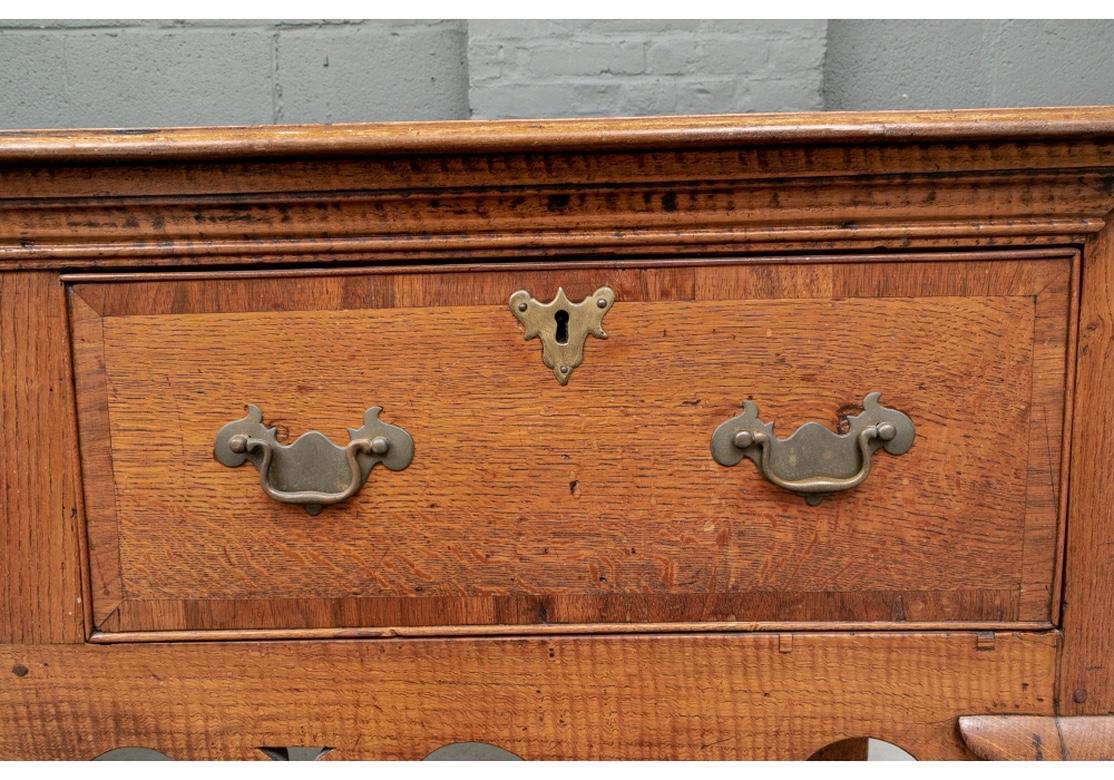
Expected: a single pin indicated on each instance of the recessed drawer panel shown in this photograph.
(528, 504)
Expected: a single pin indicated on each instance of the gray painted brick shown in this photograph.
(489, 61)
(134, 77)
(767, 28)
(541, 100)
(533, 68)
(907, 64)
(587, 59)
(106, 72)
(795, 54)
(648, 98)
(166, 72)
(968, 64)
(672, 56)
(639, 26)
(1063, 62)
(372, 72)
(744, 54)
(518, 29)
(32, 81)
(706, 96)
(597, 93)
(779, 94)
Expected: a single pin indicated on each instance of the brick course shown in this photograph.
(617, 67)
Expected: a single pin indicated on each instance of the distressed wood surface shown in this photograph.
(844, 750)
(446, 191)
(589, 199)
(106, 588)
(495, 220)
(1039, 738)
(534, 629)
(1076, 123)
(725, 697)
(596, 502)
(1087, 664)
(40, 570)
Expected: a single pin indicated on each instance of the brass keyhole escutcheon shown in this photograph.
(562, 326)
(561, 317)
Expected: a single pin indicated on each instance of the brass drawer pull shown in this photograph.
(313, 472)
(814, 461)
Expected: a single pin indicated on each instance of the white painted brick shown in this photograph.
(487, 62)
(672, 56)
(706, 96)
(794, 55)
(524, 100)
(160, 72)
(641, 26)
(648, 98)
(787, 94)
(650, 66)
(767, 28)
(599, 98)
(519, 29)
(587, 59)
(742, 56)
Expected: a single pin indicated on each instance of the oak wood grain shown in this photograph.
(1086, 670)
(559, 264)
(106, 586)
(563, 629)
(702, 185)
(355, 229)
(1077, 122)
(397, 172)
(1039, 738)
(40, 511)
(549, 507)
(489, 219)
(844, 750)
(663, 696)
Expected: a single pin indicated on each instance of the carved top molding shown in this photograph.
(462, 191)
(464, 136)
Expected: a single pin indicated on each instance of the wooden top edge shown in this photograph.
(463, 136)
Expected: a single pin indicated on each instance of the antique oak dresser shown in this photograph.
(703, 437)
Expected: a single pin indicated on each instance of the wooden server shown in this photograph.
(279, 467)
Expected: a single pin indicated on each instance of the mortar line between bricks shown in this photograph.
(201, 24)
(276, 85)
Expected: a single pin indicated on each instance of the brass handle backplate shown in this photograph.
(313, 472)
(814, 461)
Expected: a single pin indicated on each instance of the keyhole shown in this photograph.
(562, 319)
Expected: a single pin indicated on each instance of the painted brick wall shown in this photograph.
(145, 73)
(136, 73)
(631, 67)
(968, 63)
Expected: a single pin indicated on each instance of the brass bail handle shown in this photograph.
(313, 472)
(814, 462)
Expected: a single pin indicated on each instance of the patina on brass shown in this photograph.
(562, 326)
(814, 461)
(313, 472)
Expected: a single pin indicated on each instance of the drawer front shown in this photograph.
(531, 505)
